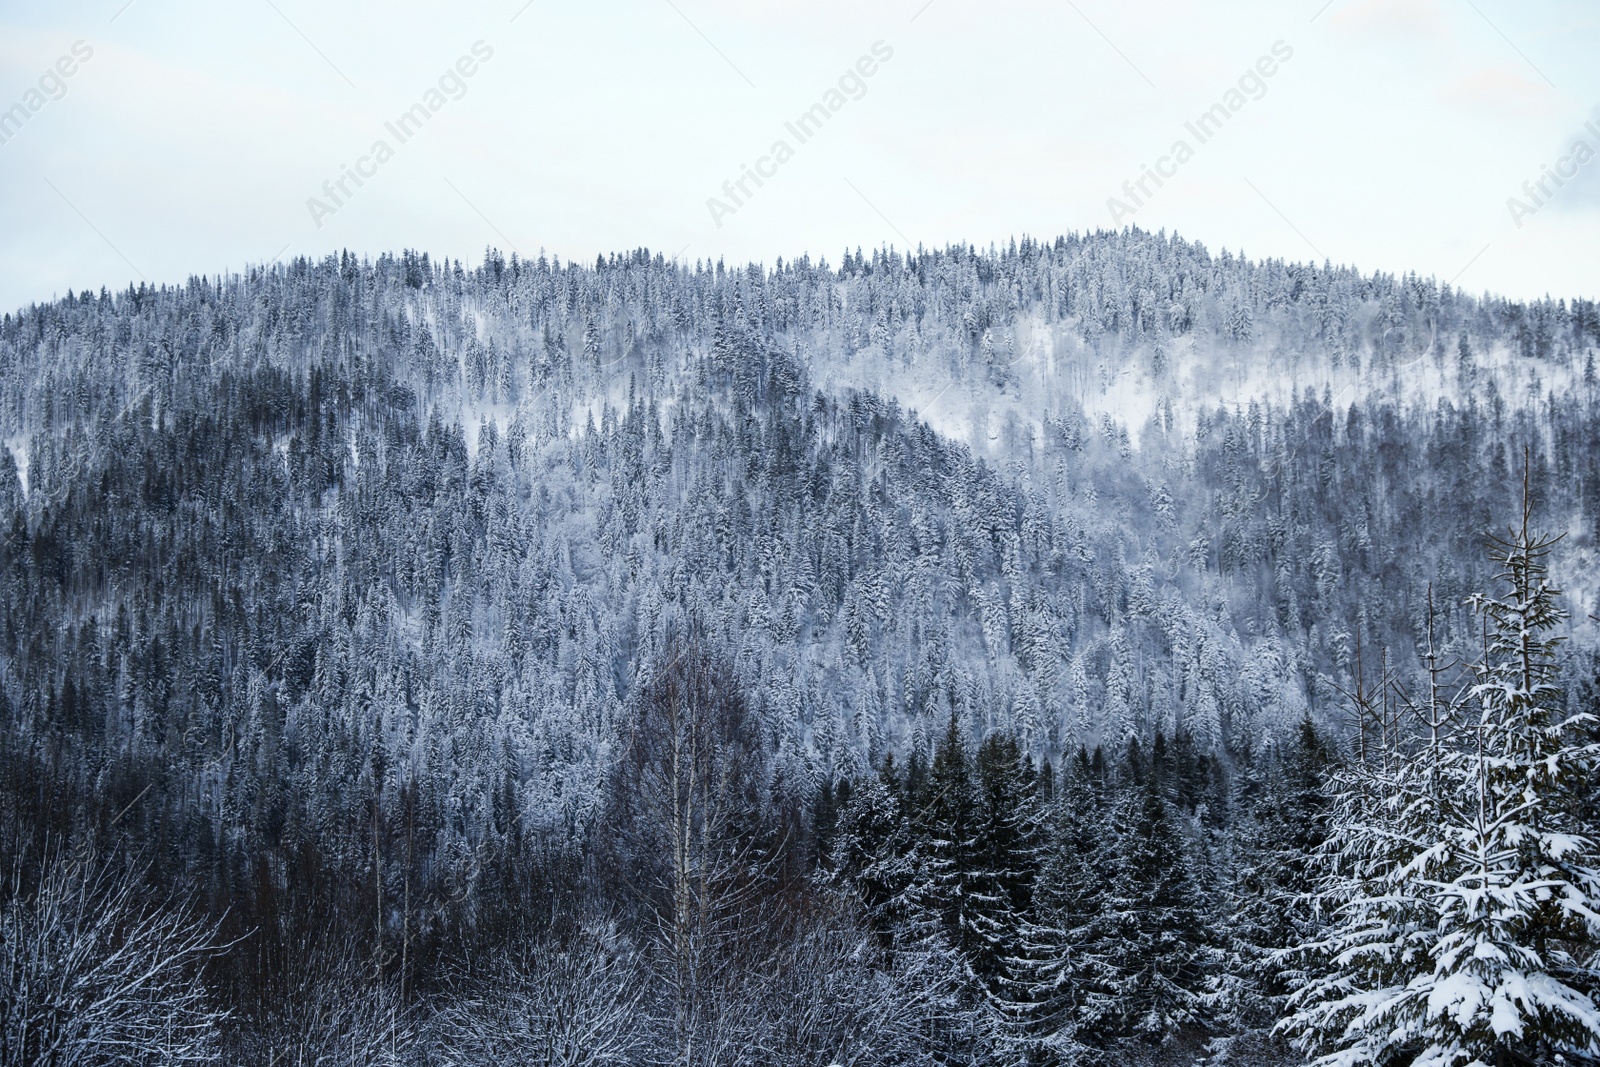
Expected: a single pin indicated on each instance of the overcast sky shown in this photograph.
(1389, 134)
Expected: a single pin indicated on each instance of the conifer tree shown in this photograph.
(1149, 939)
(1067, 896)
(1005, 858)
(1269, 905)
(953, 881)
(870, 848)
(1466, 892)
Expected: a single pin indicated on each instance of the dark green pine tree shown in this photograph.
(913, 786)
(1149, 941)
(825, 816)
(870, 849)
(1068, 895)
(1005, 859)
(951, 880)
(1269, 908)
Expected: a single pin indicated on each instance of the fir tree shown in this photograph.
(1005, 858)
(954, 882)
(869, 851)
(1269, 898)
(1149, 940)
(1467, 895)
(1068, 895)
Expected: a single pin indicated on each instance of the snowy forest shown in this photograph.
(1098, 651)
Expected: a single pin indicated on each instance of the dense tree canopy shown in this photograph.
(965, 633)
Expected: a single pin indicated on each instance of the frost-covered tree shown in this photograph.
(1149, 941)
(92, 974)
(1271, 879)
(870, 849)
(1068, 896)
(1007, 854)
(953, 880)
(577, 1001)
(1465, 889)
(691, 803)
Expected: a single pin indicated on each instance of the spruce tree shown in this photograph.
(1150, 939)
(870, 846)
(1067, 896)
(954, 881)
(1270, 909)
(1466, 893)
(1005, 857)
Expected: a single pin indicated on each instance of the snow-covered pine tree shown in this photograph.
(955, 884)
(1067, 895)
(1007, 854)
(1521, 919)
(868, 851)
(1271, 875)
(1466, 895)
(1148, 945)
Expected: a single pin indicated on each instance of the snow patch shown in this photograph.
(18, 446)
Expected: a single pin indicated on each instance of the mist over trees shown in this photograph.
(1026, 655)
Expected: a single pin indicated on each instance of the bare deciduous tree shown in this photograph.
(827, 993)
(576, 1001)
(692, 804)
(337, 1013)
(91, 973)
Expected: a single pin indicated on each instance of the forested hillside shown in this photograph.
(977, 648)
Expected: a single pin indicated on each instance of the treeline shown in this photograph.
(970, 904)
(1155, 904)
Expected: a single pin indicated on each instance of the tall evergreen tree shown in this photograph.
(1269, 905)
(1149, 940)
(871, 846)
(955, 883)
(1068, 895)
(1006, 854)
(1467, 894)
